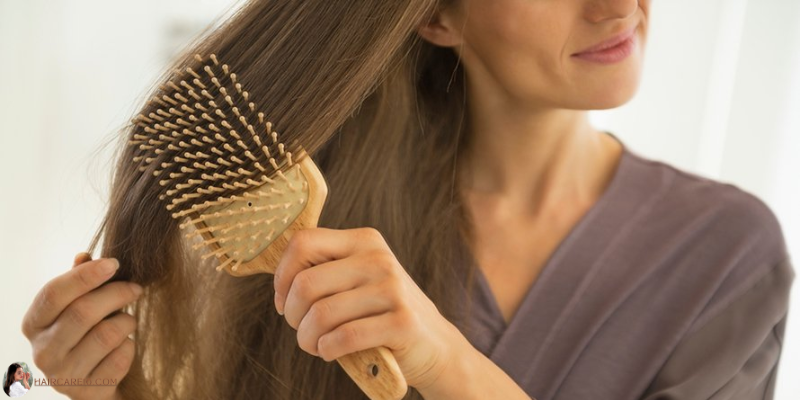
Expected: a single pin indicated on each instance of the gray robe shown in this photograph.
(672, 286)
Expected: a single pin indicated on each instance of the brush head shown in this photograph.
(221, 164)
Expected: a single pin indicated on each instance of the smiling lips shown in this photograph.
(612, 50)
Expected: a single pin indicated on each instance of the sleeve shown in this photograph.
(16, 390)
(734, 355)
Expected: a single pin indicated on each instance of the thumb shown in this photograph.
(81, 258)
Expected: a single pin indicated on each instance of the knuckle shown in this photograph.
(319, 313)
(45, 356)
(78, 314)
(392, 290)
(24, 328)
(49, 348)
(27, 328)
(107, 335)
(40, 358)
(304, 284)
(348, 336)
(370, 234)
(384, 261)
(298, 242)
(47, 296)
(44, 301)
(404, 319)
(84, 277)
(121, 362)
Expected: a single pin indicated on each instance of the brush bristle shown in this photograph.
(219, 162)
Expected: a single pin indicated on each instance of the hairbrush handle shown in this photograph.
(375, 370)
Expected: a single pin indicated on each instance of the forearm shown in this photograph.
(473, 376)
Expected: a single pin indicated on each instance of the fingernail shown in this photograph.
(278, 304)
(109, 265)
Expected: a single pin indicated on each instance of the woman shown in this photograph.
(477, 225)
(16, 384)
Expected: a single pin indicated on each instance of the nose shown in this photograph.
(599, 10)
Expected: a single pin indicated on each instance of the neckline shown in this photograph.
(547, 269)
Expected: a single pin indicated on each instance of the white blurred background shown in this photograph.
(720, 97)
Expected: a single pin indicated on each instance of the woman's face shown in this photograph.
(522, 50)
(18, 375)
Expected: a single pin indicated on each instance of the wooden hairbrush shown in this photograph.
(221, 165)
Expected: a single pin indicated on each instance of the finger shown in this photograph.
(58, 293)
(313, 246)
(329, 313)
(99, 342)
(115, 365)
(360, 334)
(88, 310)
(81, 258)
(312, 284)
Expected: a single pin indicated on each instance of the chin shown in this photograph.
(610, 88)
(613, 98)
(605, 94)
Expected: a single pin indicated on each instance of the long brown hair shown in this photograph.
(10, 378)
(381, 112)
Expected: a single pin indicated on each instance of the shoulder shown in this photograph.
(720, 237)
(717, 211)
(17, 388)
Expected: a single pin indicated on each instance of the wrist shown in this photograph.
(453, 378)
(469, 374)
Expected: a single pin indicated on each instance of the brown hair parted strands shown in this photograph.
(380, 111)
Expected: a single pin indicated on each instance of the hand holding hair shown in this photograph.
(72, 334)
(344, 291)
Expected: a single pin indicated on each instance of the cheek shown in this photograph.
(520, 48)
